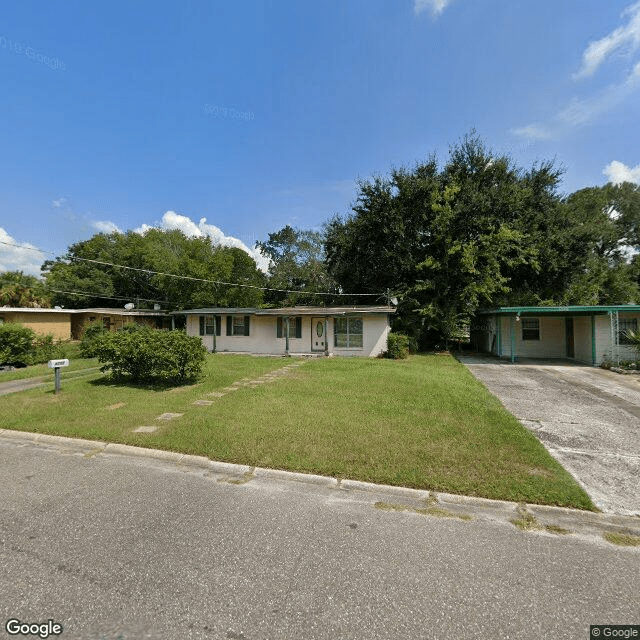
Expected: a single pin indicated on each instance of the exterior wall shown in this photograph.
(582, 339)
(552, 343)
(604, 353)
(57, 324)
(263, 338)
(374, 338)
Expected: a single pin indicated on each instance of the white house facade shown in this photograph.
(588, 334)
(347, 331)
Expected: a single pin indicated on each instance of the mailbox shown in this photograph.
(54, 364)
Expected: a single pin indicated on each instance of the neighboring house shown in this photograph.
(68, 324)
(350, 331)
(589, 334)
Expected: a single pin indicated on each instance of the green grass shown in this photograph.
(69, 350)
(424, 422)
(622, 539)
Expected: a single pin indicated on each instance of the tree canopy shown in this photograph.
(297, 267)
(153, 259)
(482, 231)
(18, 289)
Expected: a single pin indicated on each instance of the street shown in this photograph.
(131, 547)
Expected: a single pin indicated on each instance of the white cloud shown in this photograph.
(106, 226)
(435, 6)
(617, 172)
(173, 220)
(621, 39)
(583, 111)
(19, 258)
(59, 202)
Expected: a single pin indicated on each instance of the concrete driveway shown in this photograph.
(587, 418)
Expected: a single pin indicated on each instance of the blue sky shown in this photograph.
(238, 118)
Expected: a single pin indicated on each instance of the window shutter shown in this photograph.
(298, 327)
(278, 327)
(201, 325)
(229, 325)
(246, 325)
(218, 325)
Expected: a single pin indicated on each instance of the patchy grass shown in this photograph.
(424, 422)
(622, 539)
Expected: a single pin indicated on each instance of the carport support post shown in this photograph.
(593, 339)
(513, 338)
(286, 348)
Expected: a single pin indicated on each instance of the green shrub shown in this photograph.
(91, 331)
(141, 353)
(397, 346)
(16, 344)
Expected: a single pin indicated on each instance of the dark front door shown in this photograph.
(569, 331)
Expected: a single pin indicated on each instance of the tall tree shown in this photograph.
(297, 267)
(18, 289)
(445, 241)
(153, 260)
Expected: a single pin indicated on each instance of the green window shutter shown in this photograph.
(246, 325)
(298, 327)
(279, 333)
(229, 325)
(218, 325)
(201, 325)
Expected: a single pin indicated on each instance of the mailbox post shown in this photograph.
(56, 364)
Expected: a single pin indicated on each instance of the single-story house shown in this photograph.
(68, 324)
(351, 331)
(589, 334)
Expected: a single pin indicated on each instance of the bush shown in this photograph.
(397, 346)
(91, 331)
(141, 353)
(16, 344)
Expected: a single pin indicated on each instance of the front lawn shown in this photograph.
(424, 422)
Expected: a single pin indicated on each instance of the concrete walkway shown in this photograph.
(587, 418)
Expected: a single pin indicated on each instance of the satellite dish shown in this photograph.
(394, 301)
(129, 306)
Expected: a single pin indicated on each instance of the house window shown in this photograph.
(295, 327)
(237, 325)
(209, 324)
(623, 327)
(530, 328)
(347, 333)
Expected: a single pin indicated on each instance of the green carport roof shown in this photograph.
(575, 310)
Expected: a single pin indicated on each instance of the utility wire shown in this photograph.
(173, 275)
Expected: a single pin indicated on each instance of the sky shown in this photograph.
(235, 119)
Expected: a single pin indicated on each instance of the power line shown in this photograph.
(217, 282)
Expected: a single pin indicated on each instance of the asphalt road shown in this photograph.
(132, 547)
(586, 417)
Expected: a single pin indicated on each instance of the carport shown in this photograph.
(587, 334)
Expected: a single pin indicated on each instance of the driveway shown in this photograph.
(586, 417)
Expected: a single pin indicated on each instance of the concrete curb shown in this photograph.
(421, 501)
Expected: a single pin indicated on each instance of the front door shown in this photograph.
(569, 332)
(318, 337)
